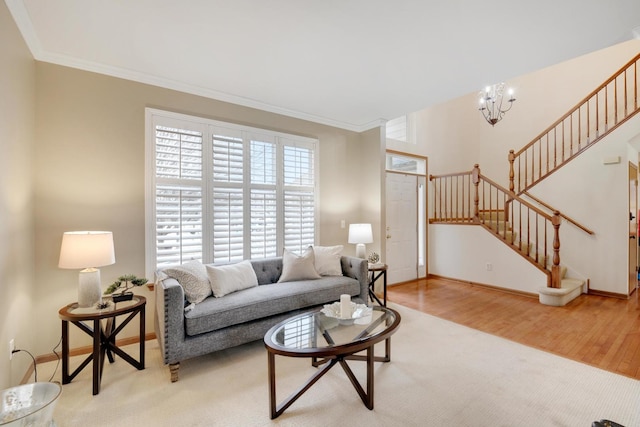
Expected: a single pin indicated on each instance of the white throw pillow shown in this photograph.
(226, 279)
(298, 267)
(327, 260)
(192, 276)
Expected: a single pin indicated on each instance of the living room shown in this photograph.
(76, 160)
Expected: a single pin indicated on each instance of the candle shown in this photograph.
(345, 306)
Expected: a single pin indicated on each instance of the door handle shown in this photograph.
(631, 217)
(388, 236)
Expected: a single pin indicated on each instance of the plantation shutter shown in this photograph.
(263, 197)
(219, 193)
(228, 196)
(299, 197)
(178, 195)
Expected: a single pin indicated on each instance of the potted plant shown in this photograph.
(124, 283)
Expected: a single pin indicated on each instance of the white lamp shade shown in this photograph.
(83, 249)
(360, 233)
(87, 250)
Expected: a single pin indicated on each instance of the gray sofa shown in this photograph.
(185, 331)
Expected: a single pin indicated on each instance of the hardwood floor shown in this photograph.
(599, 331)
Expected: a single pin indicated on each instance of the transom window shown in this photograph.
(219, 192)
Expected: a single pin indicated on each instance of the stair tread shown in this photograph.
(566, 286)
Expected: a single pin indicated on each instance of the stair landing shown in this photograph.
(569, 290)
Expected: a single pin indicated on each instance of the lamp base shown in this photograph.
(361, 250)
(89, 291)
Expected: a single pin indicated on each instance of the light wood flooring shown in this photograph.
(600, 331)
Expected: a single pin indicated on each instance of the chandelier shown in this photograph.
(491, 100)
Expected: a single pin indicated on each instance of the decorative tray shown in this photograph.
(357, 311)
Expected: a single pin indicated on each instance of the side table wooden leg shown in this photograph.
(385, 288)
(97, 372)
(142, 337)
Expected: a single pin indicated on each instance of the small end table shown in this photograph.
(104, 338)
(377, 271)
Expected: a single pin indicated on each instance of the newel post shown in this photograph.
(512, 158)
(475, 177)
(555, 268)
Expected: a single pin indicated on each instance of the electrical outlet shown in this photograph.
(12, 346)
(489, 266)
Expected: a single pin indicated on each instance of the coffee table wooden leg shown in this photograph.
(271, 369)
(370, 362)
(366, 396)
(277, 410)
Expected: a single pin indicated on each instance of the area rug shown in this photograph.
(441, 374)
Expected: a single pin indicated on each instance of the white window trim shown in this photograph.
(191, 122)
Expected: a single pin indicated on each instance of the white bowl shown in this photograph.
(357, 311)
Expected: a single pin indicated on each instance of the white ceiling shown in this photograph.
(345, 63)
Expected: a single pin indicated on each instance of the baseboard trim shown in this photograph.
(50, 357)
(406, 281)
(607, 294)
(485, 286)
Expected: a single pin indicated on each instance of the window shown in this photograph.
(406, 163)
(219, 192)
(401, 129)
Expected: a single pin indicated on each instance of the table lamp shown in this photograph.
(87, 250)
(360, 234)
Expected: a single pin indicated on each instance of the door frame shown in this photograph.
(633, 227)
(424, 174)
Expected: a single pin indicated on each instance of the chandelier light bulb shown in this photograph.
(491, 103)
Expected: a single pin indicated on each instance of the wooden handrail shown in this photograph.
(582, 102)
(571, 220)
(468, 197)
(432, 177)
(519, 199)
(599, 113)
(471, 198)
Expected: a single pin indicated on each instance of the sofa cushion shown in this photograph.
(193, 278)
(327, 260)
(298, 267)
(226, 279)
(266, 300)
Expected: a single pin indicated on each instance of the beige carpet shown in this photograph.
(441, 374)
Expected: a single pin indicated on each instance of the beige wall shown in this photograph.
(90, 174)
(17, 112)
(584, 189)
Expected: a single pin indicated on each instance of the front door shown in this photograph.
(401, 232)
(633, 227)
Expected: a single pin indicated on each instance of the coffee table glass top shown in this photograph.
(316, 331)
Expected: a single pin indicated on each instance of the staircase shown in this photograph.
(526, 224)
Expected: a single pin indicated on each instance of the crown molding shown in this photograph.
(23, 21)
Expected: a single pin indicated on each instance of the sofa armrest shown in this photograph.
(357, 268)
(169, 318)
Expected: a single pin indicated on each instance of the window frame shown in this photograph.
(155, 117)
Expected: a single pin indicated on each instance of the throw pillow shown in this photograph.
(298, 267)
(192, 276)
(327, 260)
(226, 279)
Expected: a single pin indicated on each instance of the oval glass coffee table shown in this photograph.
(329, 341)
